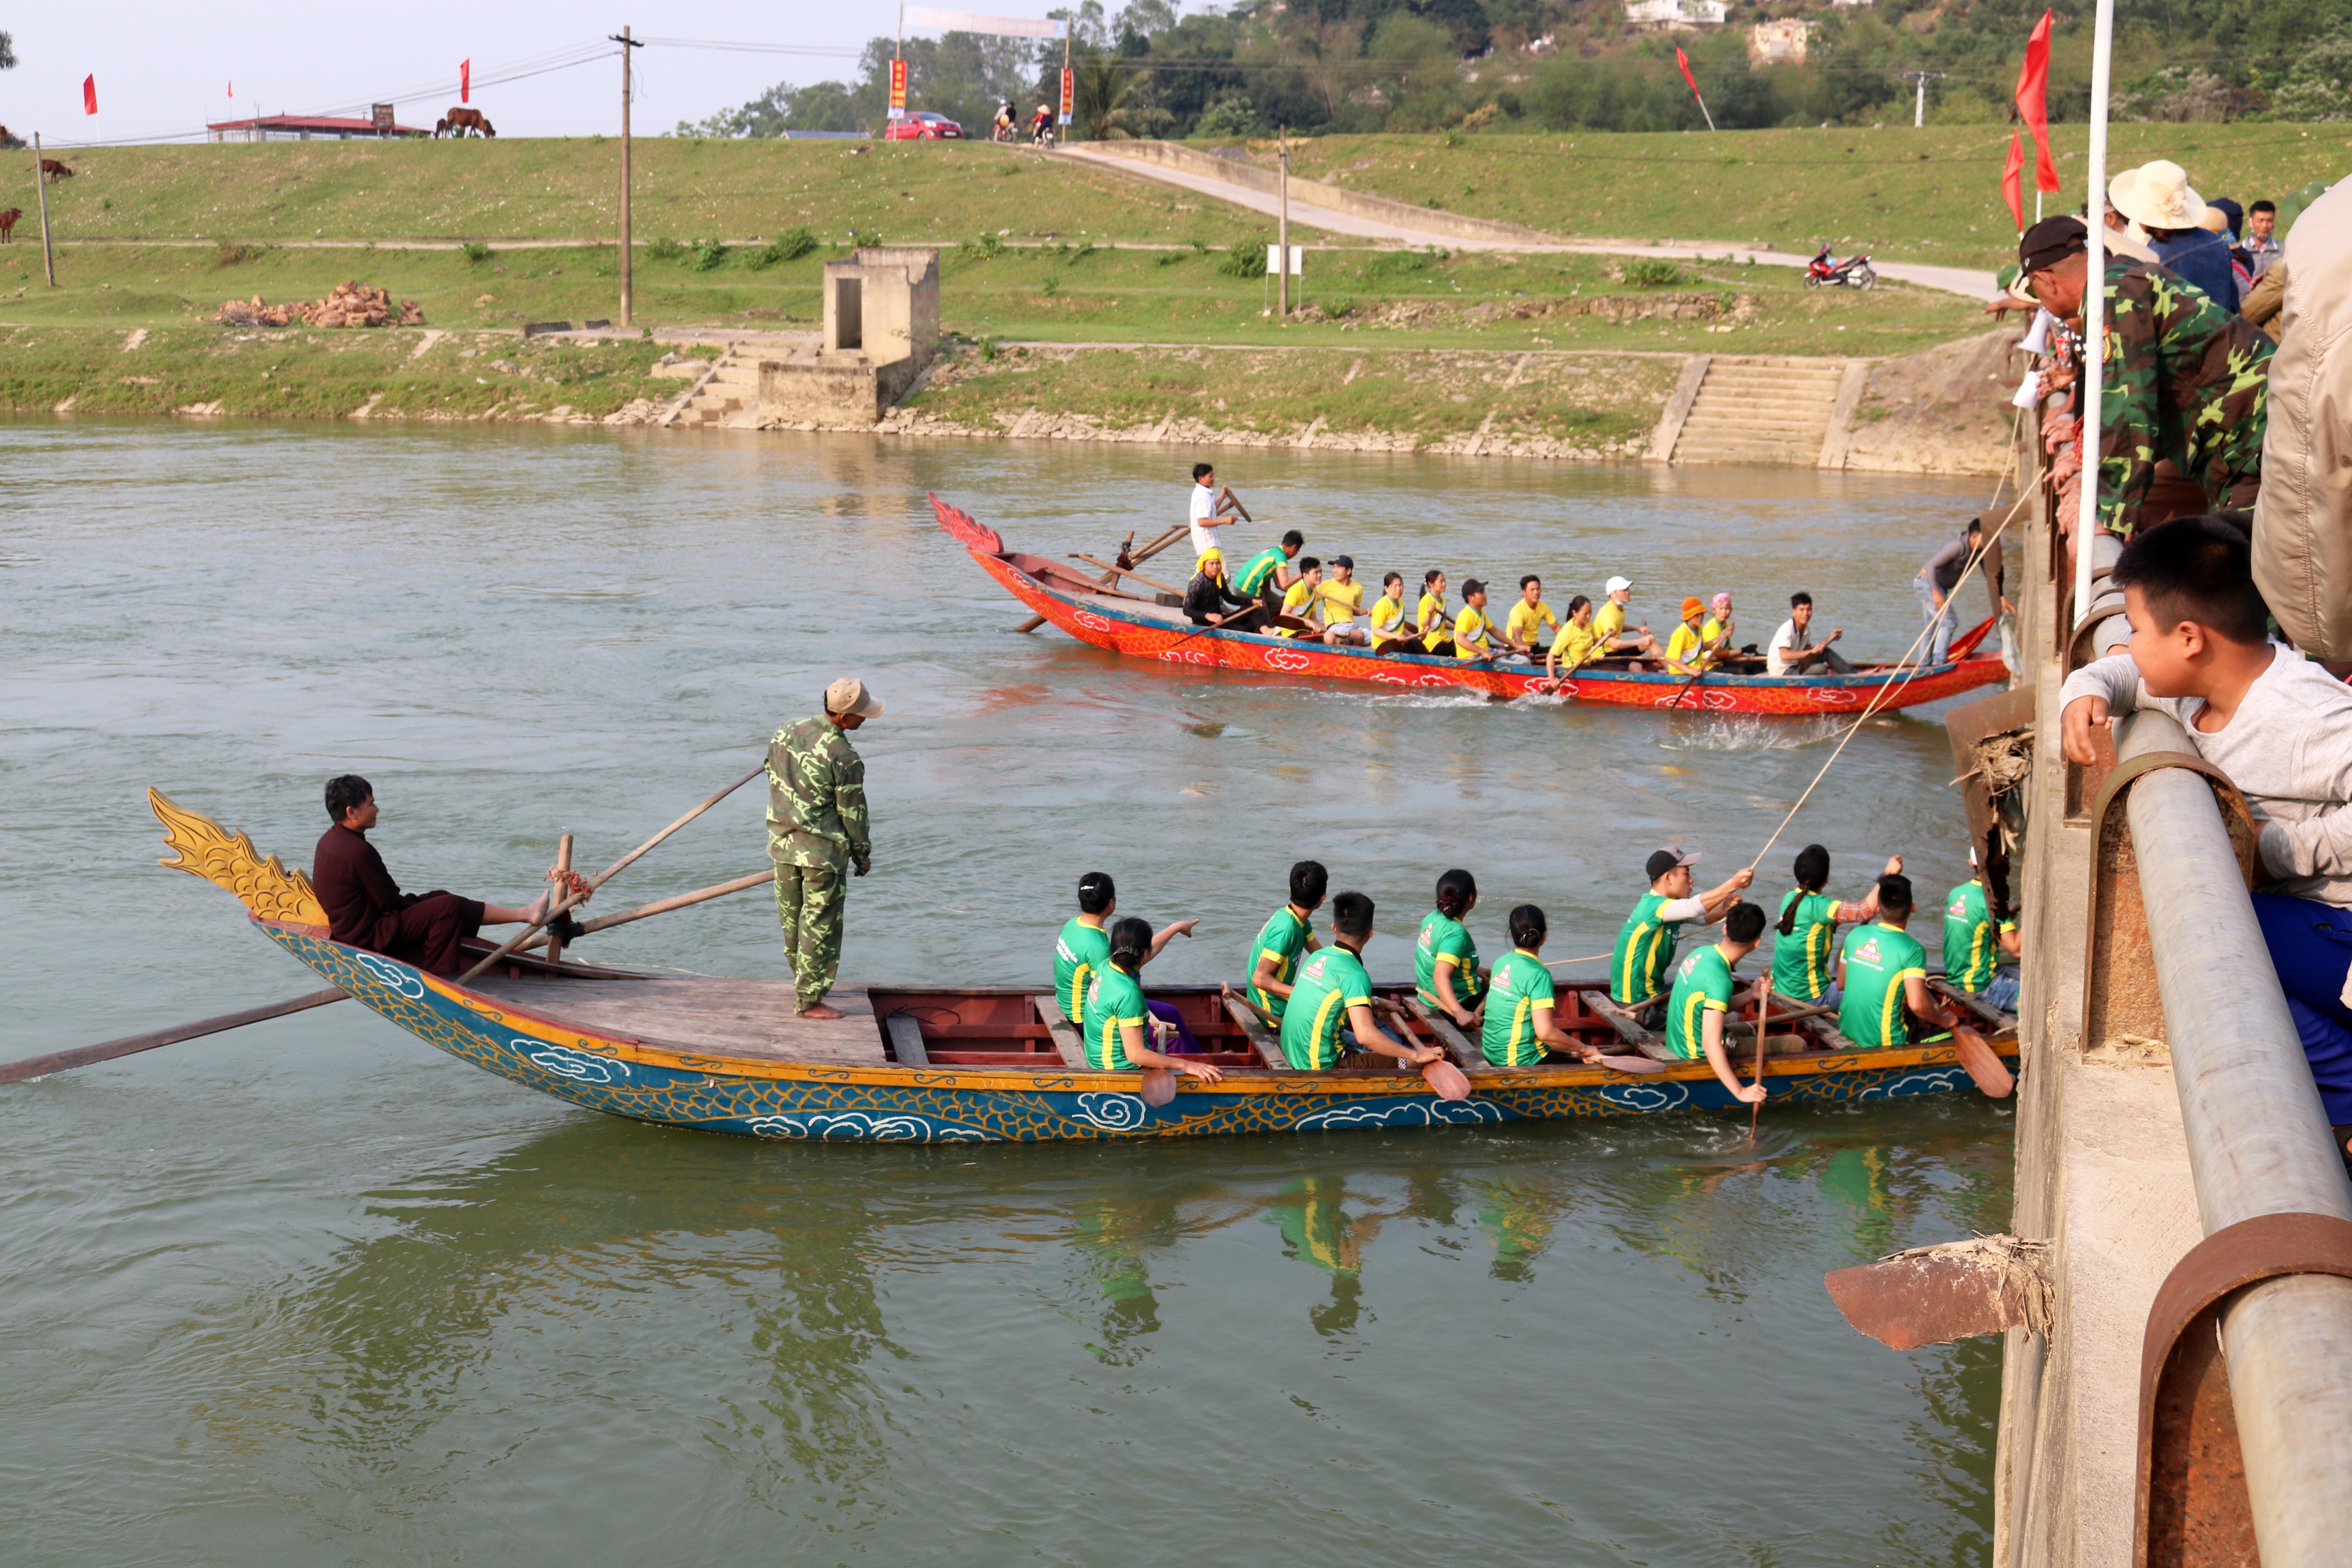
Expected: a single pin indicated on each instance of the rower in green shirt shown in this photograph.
(1083, 947)
(1641, 969)
(1445, 959)
(1120, 1032)
(1884, 972)
(1705, 996)
(1975, 943)
(1287, 936)
(1520, 1031)
(1266, 576)
(1804, 956)
(1330, 1007)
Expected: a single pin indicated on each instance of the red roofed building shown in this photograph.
(302, 128)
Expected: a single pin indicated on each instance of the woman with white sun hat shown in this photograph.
(2157, 197)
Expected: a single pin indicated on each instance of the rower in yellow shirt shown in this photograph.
(1523, 629)
(1300, 599)
(1342, 601)
(1609, 625)
(1391, 631)
(1578, 644)
(1471, 627)
(1716, 630)
(1687, 650)
(1435, 636)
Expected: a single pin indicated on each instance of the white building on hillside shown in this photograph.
(1778, 43)
(1675, 15)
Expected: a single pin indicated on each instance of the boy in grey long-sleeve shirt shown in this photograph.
(2280, 726)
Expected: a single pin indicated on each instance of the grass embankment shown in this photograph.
(1931, 195)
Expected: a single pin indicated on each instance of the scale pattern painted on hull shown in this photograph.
(1104, 625)
(890, 1104)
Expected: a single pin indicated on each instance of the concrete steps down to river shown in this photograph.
(1766, 411)
(727, 393)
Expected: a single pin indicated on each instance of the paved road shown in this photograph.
(1950, 279)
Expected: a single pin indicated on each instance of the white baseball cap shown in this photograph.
(1616, 585)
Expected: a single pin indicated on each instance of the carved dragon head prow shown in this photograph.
(204, 849)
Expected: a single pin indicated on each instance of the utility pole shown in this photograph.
(48, 258)
(1282, 232)
(627, 276)
(1920, 106)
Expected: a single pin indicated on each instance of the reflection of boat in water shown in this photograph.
(961, 1064)
(1147, 627)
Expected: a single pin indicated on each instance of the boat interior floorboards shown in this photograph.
(730, 1017)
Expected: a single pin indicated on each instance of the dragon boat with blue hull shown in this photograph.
(977, 1064)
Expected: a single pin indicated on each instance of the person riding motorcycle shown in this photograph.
(1041, 124)
(1007, 124)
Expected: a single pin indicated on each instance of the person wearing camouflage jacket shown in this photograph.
(817, 834)
(2184, 380)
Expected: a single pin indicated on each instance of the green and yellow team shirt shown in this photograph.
(1800, 961)
(1331, 981)
(1609, 621)
(1878, 960)
(1433, 618)
(1078, 953)
(1710, 629)
(1388, 613)
(1113, 999)
(1645, 952)
(1971, 940)
(1442, 936)
(1576, 646)
(1470, 629)
(1295, 602)
(1527, 622)
(1283, 938)
(1683, 651)
(1257, 571)
(1519, 985)
(1703, 984)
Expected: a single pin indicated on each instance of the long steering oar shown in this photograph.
(558, 906)
(1763, 1032)
(131, 1044)
(663, 906)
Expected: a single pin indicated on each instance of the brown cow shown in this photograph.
(457, 121)
(8, 224)
(55, 171)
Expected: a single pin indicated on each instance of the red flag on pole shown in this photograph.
(89, 95)
(2032, 102)
(466, 80)
(2012, 185)
(1682, 60)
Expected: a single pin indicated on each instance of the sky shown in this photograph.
(164, 70)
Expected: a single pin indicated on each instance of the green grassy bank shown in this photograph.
(1931, 195)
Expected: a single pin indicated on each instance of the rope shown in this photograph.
(1879, 699)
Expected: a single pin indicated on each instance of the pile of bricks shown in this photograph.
(351, 304)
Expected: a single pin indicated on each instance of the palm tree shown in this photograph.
(1104, 110)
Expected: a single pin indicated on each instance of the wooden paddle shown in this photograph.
(130, 1045)
(1122, 572)
(1146, 553)
(663, 906)
(1984, 1065)
(1448, 1081)
(1763, 1016)
(558, 906)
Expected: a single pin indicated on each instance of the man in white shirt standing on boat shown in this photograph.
(1213, 507)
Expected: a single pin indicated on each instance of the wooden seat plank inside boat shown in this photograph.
(725, 1018)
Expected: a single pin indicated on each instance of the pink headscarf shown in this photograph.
(1722, 602)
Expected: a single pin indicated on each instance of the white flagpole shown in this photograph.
(2094, 301)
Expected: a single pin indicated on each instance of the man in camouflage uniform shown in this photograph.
(2183, 381)
(817, 833)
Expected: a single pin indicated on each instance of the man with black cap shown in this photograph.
(2185, 380)
(1640, 970)
(817, 831)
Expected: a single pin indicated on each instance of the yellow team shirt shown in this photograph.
(1387, 615)
(1713, 629)
(1470, 629)
(1528, 621)
(1346, 601)
(1576, 646)
(1432, 620)
(1608, 622)
(1681, 651)
(1295, 602)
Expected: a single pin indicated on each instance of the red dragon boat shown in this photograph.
(1148, 627)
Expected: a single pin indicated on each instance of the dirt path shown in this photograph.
(1950, 279)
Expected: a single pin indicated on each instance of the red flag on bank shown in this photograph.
(466, 80)
(2012, 185)
(89, 95)
(1682, 60)
(2032, 102)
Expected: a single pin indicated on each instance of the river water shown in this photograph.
(313, 1292)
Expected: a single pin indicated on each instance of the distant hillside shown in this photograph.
(1325, 67)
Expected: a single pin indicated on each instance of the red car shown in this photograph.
(922, 125)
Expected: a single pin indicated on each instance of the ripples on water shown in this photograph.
(313, 1292)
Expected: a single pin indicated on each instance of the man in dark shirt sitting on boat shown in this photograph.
(1209, 602)
(366, 909)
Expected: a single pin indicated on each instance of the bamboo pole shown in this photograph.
(563, 863)
(679, 901)
(130, 1045)
(41, 186)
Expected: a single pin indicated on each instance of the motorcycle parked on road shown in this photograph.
(1825, 271)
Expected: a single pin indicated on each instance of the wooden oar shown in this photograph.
(1763, 1016)
(1447, 1081)
(562, 864)
(663, 906)
(1984, 1065)
(1146, 553)
(558, 906)
(130, 1045)
(1122, 572)
(1816, 1011)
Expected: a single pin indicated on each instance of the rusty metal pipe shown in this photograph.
(2259, 1143)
